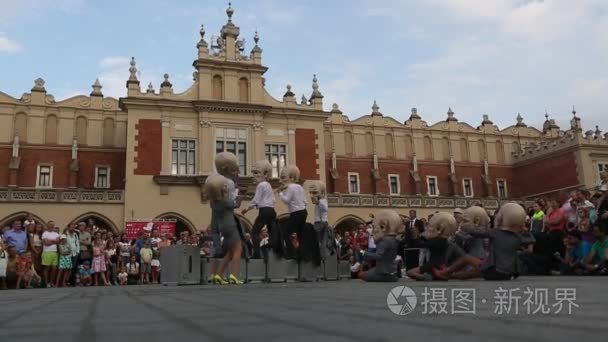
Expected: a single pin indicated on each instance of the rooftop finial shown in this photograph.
(150, 88)
(166, 82)
(229, 12)
(256, 38)
(376, 109)
(289, 93)
(133, 70)
(304, 100)
(520, 121)
(451, 115)
(96, 88)
(414, 114)
(316, 94)
(202, 32)
(546, 114)
(573, 111)
(598, 133)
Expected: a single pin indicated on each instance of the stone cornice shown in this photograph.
(234, 107)
(345, 200)
(222, 64)
(66, 148)
(135, 101)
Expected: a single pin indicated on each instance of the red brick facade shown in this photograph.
(149, 147)
(89, 160)
(441, 170)
(307, 157)
(5, 157)
(552, 173)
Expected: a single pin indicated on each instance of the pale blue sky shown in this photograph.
(496, 57)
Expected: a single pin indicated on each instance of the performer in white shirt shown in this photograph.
(292, 194)
(263, 200)
(318, 192)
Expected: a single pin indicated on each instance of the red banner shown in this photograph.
(132, 228)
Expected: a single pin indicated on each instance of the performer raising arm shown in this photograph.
(263, 201)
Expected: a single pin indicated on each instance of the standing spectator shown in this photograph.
(411, 240)
(35, 242)
(92, 226)
(50, 258)
(142, 237)
(3, 264)
(74, 243)
(597, 261)
(16, 237)
(65, 262)
(29, 219)
(155, 261)
(99, 263)
(155, 237)
(145, 258)
(556, 218)
(86, 242)
(111, 260)
(602, 208)
(459, 216)
(125, 250)
(537, 219)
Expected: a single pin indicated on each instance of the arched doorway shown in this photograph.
(19, 216)
(348, 223)
(182, 223)
(99, 220)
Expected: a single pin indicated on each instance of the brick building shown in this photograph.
(147, 155)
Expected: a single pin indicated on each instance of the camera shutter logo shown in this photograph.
(401, 300)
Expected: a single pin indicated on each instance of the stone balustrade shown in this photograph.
(61, 196)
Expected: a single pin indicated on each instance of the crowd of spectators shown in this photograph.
(33, 254)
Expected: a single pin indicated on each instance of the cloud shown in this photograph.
(7, 45)
(114, 61)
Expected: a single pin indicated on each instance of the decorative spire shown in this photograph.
(96, 88)
(289, 93)
(229, 12)
(546, 115)
(256, 39)
(316, 94)
(486, 120)
(598, 133)
(414, 114)
(335, 109)
(575, 123)
(166, 82)
(376, 109)
(133, 70)
(39, 85)
(304, 100)
(202, 42)
(520, 121)
(451, 115)
(573, 111)
(150, 88)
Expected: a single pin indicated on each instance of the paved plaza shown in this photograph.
(347, 310)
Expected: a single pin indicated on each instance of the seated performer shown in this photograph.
(506, 240)
(292, 194)
(441, 227)
(386, 224)
(263, 201)
(222, 207)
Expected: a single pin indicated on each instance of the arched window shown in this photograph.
(218, 88)
(81, 130)
(348, 143)
(481, 146)
(500, 153)
(464, 149)
(108, 132)
(369, 144)
(21, 126)
(50, 130)
(327, 141)
(428, 147)
(390, 146)
(243, 90)
(445, 148)
(409, 147)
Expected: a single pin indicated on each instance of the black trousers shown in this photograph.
(266, 217)
(296, 224)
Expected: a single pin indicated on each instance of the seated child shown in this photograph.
(441, 227)
(596, 261)
(26, 274)
(574, 261)
(506, 240)
(123, 276)
(386, 224)
(133, 271)
(86, 274)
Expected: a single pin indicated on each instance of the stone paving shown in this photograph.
(347, 310)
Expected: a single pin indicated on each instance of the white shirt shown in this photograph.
(370, 241)
(49, 236)
(264, 197)
(321, 211)
(294, 197)
(26, 223)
